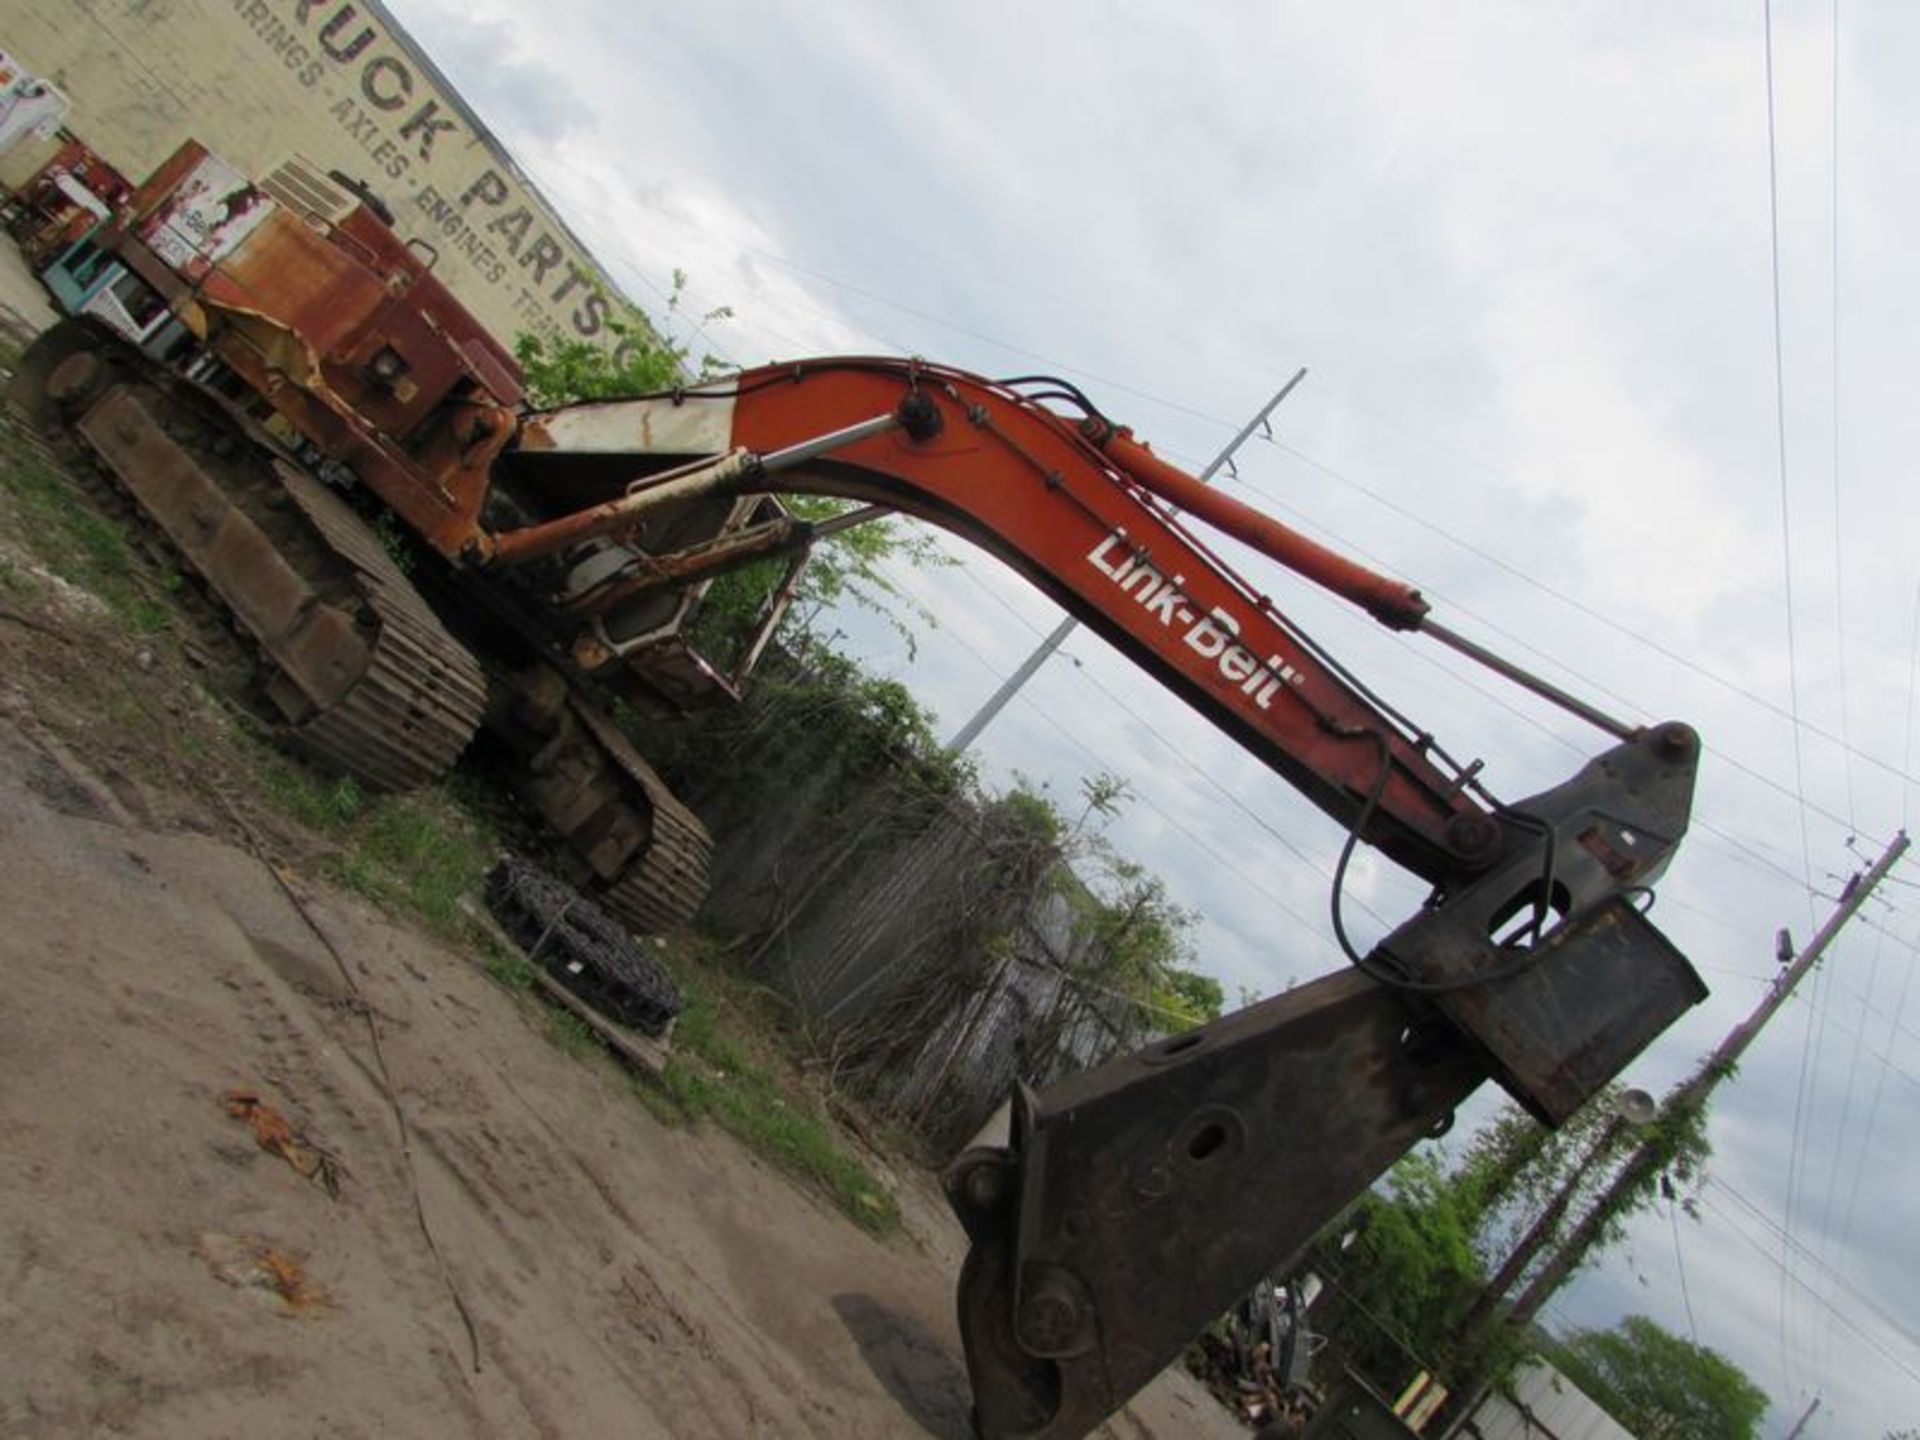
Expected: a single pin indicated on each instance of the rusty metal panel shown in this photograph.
(1564, 1027)
(1558, 1015)
(297, 277)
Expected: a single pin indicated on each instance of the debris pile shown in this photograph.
(1256, 1360)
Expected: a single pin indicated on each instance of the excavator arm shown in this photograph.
(1137, 1201)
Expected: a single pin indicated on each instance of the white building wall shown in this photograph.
(1548, 1408)
(339, 82)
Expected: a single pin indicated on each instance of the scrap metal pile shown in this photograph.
(1257, 1359)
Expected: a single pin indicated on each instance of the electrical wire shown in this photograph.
(1839, 571)
(1592, 612)
(1780, 435)
(1873, 1108)
(1425, 656)
(1227, 863)
(1913, 674)
(1773, 1227)
(1584, 681)
(1740, 849)
(1078, 397)
(1189, 410)
(1795, 1151)
(1071, 393)
(1846, 1110)
(1799, 722)
(1171, 747)
(1680, 1265)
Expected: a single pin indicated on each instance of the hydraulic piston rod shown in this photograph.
(1392, 602)
(735, 470)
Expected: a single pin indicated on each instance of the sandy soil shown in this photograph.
(589, 1272)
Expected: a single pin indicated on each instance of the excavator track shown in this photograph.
(641, 854)
(666, 884)
(350, 665)
(421, 697)
(358, 673)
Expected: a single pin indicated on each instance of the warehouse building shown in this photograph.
(339, 84)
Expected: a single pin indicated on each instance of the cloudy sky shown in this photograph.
(1526, 253)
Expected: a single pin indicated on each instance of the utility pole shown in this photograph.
(1010, 687)
(1647, 1158)
(1801, 1423)
(1538, 1234)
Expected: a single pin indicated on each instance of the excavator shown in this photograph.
(298, 380)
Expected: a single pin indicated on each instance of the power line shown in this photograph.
(1029, 667)
(1680, 1264)
(1174, 749)
(1300, 518)
(1846, 1111)
(1794, 1150)
(1885, 1057)
(1840, 1281)
(1840, 628)
(1873, 1107)
(1639, 1170)
(1800, 723)
(1592, 612)
(1426, 657)
(1768, 1254)
(1227, 863)
(1913, 673)
(1790, 713)
(1741, 849)
(1839, 572)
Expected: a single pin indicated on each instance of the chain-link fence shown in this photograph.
(928, 938)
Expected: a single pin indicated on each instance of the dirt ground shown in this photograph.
(516, 1247)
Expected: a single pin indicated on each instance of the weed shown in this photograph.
(572, 1034)
(146, 617)
(18, 583)
(713, 1074)
(658, 1102)
(392, 533)
(78, 543)
(420, 853)
(324, 803)
(505, 964)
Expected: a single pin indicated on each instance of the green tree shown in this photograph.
(642, 360)
(1657, 1384)
(1403, 1270)
(1140, 933)
(1185, 998)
